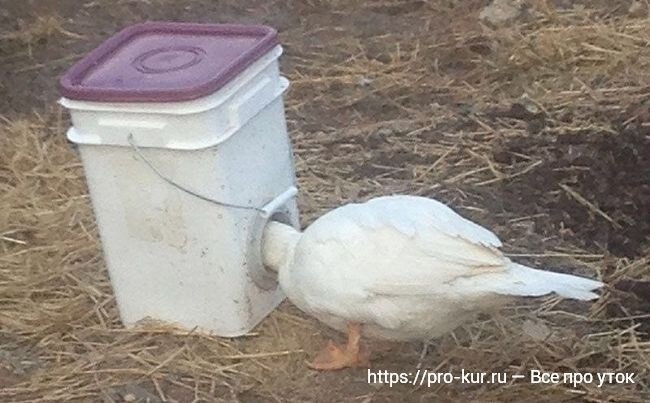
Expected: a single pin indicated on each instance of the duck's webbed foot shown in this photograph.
(334, 357)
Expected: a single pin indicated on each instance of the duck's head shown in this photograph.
(278, 245)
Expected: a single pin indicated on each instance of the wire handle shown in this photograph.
(183, 188)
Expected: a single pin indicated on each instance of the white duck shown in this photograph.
(400, 268)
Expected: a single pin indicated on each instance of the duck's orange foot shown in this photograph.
(334, 357)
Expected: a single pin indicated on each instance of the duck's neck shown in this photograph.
(278, 244)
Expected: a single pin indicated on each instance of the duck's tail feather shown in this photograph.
(521, 280)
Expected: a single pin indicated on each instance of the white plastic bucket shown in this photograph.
(158, 175)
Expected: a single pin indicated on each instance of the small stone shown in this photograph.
(638, 9)
(130, 397)
(536, 330)
(501, 12)
(525, 109)
(364, 81)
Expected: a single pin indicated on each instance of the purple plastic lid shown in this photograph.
(166, 62)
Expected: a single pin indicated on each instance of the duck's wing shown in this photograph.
(413, 215)
(407, 245)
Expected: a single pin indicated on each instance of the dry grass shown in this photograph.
(41, 28)
(432, 106)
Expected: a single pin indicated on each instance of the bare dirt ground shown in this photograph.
(537, 128)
